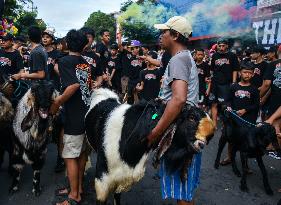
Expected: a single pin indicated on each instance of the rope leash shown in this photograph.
(233, 112)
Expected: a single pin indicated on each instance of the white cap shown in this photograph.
(177, 23)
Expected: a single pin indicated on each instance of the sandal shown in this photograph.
(225, 162)
(69, 201)
(62, 191)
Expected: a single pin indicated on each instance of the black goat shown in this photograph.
(118, 134)
(251, 142)
(32, 125)
(6, 118)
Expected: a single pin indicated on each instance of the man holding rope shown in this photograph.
(180, 86)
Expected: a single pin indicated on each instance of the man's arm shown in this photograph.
(68, 92)
(234, 76)
(172, 110)
(264, 88)
(274, 116)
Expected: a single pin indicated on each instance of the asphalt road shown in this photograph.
(217, 187)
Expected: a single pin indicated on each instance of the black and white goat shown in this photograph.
(251, 142)
(32, 125)
(6, 119)
(118, 132)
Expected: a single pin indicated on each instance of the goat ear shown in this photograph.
(28, 121)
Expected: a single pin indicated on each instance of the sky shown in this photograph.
(64, 15)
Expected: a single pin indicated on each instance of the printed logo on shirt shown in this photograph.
(222, 61)
(111, 63)
(106, 54)
(136, 63)
(50, 61)
(90, 60)
(257, 71)
(277, 76)
(200, 71)
(83, 74)
(242, 94)
(150, 76)
(5, 61)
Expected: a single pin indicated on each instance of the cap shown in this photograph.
(135, 43)
(177, 23)
(258, 49)
(49, 32)
(247, 65)
(8, 37)
(272, 49)
(20, 39)
(114, 46)
(222, 41)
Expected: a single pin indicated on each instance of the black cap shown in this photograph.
(258, 49)
(272, 49)
(247, 65)
(153, 54)
(114, 46)
(20, 38)
(8, 37)
(222, 41)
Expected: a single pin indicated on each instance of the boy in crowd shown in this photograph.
(76, 80)
(38, 69)
(53, 55)
(10, 59)
(135, 66)
(102, 48)
(224, 65)
(244, 97)
(92, 58)
(260, 66)
(203, 74)
(113, 69)
(150, 77)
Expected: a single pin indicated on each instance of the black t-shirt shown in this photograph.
(94, 60)
(245, 97)
(135, 66)
(166, 57)
(125, 56)
(75, 69)
(53, 57)
(104, 55)
(223, 65)
(273, 73)
(259, 71)
(38, 60)
(203, 72)
(10, 62)
(151, 80)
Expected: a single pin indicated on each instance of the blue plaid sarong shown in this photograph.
(172, 186)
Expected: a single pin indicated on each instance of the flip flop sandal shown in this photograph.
(70, 202)
(225, 162)
(62, 191)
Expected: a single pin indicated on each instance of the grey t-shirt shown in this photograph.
(38, 60)
(181, 67)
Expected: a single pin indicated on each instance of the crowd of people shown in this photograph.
(248, 82)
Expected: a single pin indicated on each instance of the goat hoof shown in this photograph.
(269, 191)
(244, 188)
(217, 164)
(36, 192)
(13, 190)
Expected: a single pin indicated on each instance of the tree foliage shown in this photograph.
(99, 21)
(27, 19)
(13, 8)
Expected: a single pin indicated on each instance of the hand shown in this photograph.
(152, 137)
(96, 85)
(138, 87)
(143, 57)
(229, 109)
(269, 121)
(55, 106)
(16, 76)
(241, 112)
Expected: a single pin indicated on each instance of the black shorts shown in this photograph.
(219, 93)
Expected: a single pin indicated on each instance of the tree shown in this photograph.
(99, 21)
(12, 8)
(27, 19)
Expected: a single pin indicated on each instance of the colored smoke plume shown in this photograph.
(148, 13)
